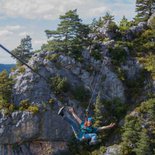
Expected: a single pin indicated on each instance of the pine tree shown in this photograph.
(107, 17)
(23, 51)
(71, 34)
(98, 111)
(143, 145)
(144, 9)
(124, 24)
(5, 87)
(131, 134)
(108, 20)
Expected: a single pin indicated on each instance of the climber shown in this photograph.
(84, 130)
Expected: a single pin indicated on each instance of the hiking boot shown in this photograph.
(61, 111)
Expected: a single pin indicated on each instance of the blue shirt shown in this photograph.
(87, 129)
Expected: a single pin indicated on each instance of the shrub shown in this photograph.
(116, 108)
(95, 52)
(33, 108)
(81, 94)
(52, 57)
(59, 84)
(21, 69)
(24, 104)
(118, 54)
(51, 103)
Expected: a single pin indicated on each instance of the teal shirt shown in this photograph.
(87, 129)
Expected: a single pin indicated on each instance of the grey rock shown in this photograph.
(132, 68)
(151, 21)
(113, 150)
(135, 30)
(86, 54)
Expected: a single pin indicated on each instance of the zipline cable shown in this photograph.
(5, 49)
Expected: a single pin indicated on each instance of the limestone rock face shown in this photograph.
(135, 30)
(151, 21)
(22, 132)
(113, 150)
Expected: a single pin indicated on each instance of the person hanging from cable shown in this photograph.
(84, 130)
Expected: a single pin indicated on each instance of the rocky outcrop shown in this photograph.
(25, 133)
(26, 130)
(113, 150)
(151, 21)
(22, 132)
(134, 31)
(76, 73)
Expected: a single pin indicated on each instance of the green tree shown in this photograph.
(5, 87)
(144, 9)
(98, 111)
(131, 134)
(71, 34)
(107, 17)
(108, 21)
(124, 24)
(23, 51)
(143, 145)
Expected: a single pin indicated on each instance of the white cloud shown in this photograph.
(13, 27)
(39, 42)
(50, 9)
(23, 34)
(5, 33)
(8, 30)
(97, 11)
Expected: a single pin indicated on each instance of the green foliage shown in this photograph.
(139, 130)
(23, 51)
(143, 147)
(149, 63)
(108, 18)
(136, 85)
(70, 36)
(98, 112)
(96, 51)
(59, 84)
(24, 104)
(5, 87)
(118, 54)
(5, 93)
(33, 108)
(81, 94)
(130, 136)
(51, 103)
(52, 57)
(147, 108)
(152, 23)
(115, 108)
(21, 69)
(83, 148)
(124, 24)
(144, 45)
(144, 9)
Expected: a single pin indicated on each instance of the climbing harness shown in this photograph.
(5, 49)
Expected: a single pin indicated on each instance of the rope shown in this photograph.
(23, 62)
(96, 82)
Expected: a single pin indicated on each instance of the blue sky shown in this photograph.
(19, 18)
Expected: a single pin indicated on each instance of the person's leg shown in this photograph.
(70, 121)
(92, 137)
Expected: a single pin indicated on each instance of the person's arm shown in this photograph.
(75, 115)
(106, 127)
